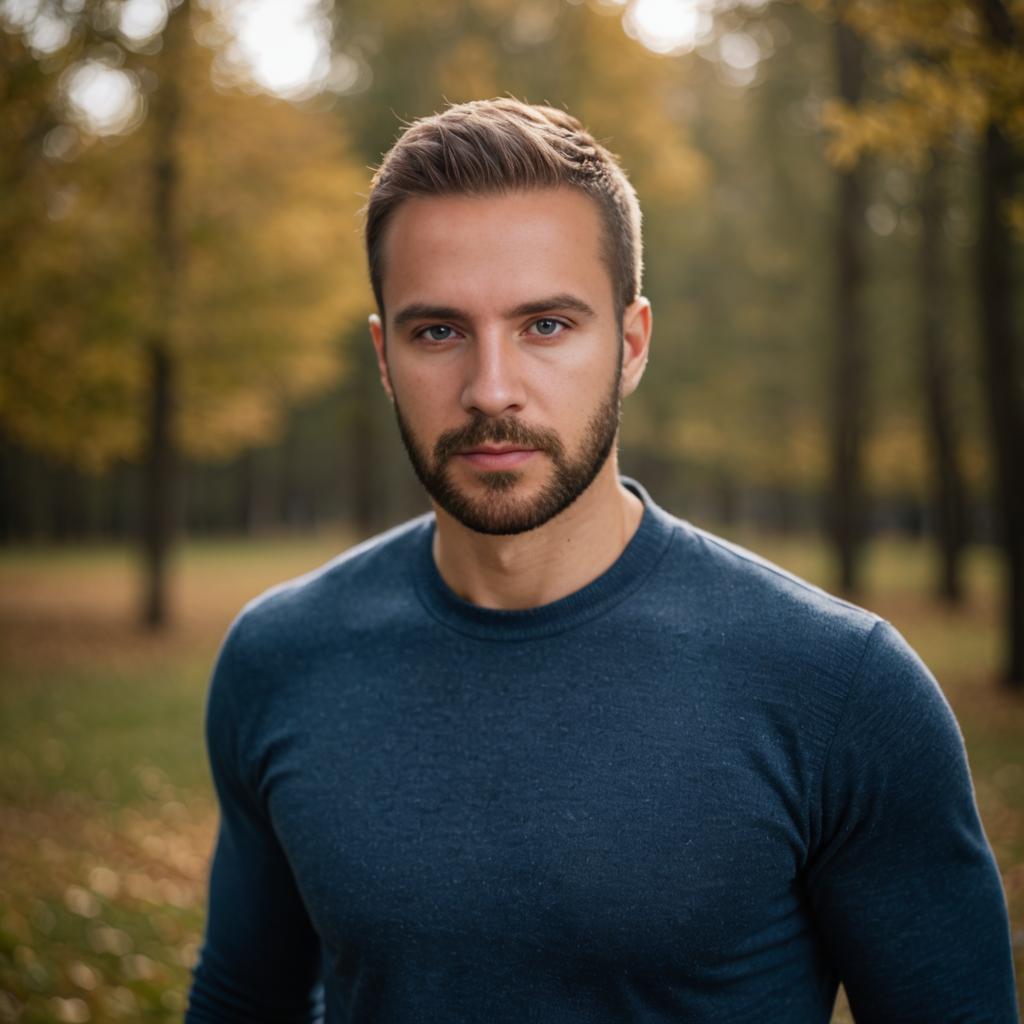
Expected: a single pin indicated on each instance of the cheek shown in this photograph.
(577, 393)
(423, 405)
(575, 374)
(416, 387)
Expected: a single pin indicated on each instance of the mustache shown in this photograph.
(483, 430)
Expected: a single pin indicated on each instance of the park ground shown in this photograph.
(106, 811)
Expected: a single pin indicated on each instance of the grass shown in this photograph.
(106, 812)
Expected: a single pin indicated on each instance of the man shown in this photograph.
(550, 754)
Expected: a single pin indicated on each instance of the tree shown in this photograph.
(849, 371)
(160, 455)
(116, 344)
(948, 494)
(959, 68)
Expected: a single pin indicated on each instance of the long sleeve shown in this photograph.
(260, 960)
(902, 882)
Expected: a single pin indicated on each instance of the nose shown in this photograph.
(494, 385)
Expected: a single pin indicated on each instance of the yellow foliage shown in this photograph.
(274, 271)
(271, 275)
(949, 78)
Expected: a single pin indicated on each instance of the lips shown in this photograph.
(497, 458)
(497, 449)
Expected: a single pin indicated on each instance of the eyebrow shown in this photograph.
(424, 311)
(562, 301)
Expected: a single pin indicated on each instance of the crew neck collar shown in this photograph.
(643, 552)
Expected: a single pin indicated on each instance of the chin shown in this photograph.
(508, 506)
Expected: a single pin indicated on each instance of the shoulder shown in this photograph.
(861, 688)
(346, 586)
(763, 611)
(359, 590)
(737, 568)
(304, 629)
(874, 685)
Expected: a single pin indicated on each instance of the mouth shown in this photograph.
(497, 457)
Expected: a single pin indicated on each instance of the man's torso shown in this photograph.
(615, 802)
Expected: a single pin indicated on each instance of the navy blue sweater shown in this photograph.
(698, 789)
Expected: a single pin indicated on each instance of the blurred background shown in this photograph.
(189, 410)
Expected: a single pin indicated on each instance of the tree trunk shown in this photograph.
(160, 476)
(948, 499)
(999, 345)
(160, 485)
(847, 502)
(1002, 375)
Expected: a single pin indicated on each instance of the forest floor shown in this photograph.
(106, 812)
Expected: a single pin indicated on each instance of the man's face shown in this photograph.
(503, 354)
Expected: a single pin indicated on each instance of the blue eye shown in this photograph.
(437, 332)
(547, 326)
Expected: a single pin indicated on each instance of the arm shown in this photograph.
(902, 882)
(260, 960)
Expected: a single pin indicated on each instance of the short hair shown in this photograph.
(489, 147)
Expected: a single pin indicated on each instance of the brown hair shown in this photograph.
(501, 145)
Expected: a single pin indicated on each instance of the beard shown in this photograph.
(499, 510)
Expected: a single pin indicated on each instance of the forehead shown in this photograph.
(495, 251)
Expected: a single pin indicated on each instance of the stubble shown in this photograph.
(498, 510)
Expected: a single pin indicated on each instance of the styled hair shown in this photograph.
(490, 147)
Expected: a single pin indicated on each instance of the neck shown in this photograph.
(543, 565)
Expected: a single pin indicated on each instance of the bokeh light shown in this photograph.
(669, 26)
(103, 99)
(283, 46)
(141, 20)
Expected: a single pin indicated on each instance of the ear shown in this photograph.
(636, 338)
(377, 334)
